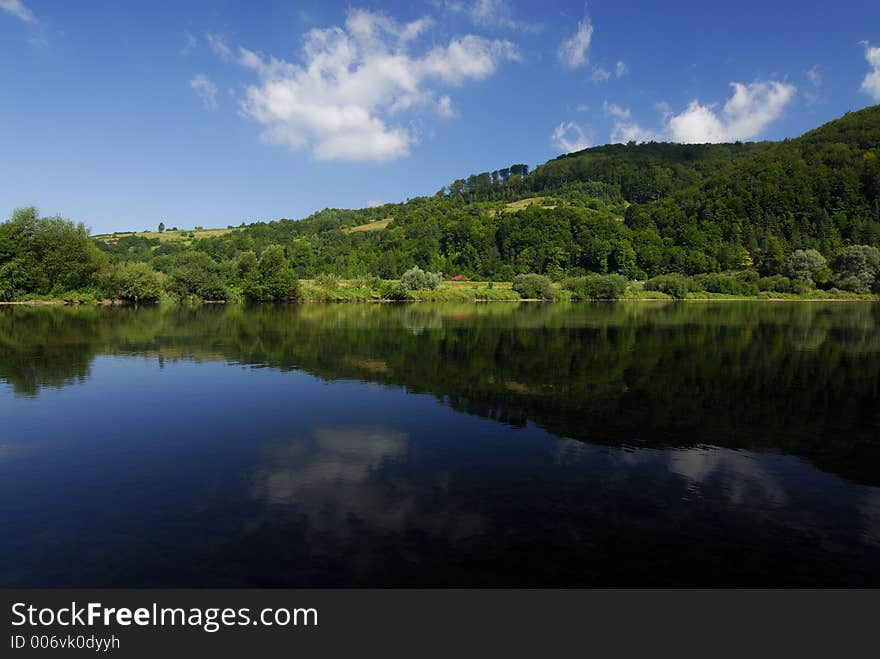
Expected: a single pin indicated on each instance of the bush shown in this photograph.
(744, 282)
(136, 283)
(327, 280)
(391, 291)
(533, 287)
(597, 287)
(416, 279)
(365, 281)
(776, 283)
(678, 286)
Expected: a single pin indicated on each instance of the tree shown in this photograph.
(137, 283)
(803, 266)
(196, 273)
(161, 227)
(49, 255)
(857, 269)
(272, 280)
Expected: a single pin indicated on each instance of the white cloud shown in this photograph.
(871, 83)
(206, 90)
(17, 8)
(498, 14)
(218, 45)
(444, 107)
(814, 77)
(745, 114)
(573, 51)
(600, 74)
(614, 110)
(569, 137)
(625, 131)
(375, 203)
(488, 14)
(354, 79)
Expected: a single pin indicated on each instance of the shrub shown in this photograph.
(136, 283)
(533, 287)
(365, 281)
(388, 290)
(597, 287)
(327, 280)
(776, 283)
(416, 279)
(678, 286)
(744, 282)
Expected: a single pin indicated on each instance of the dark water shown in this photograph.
(605, 444)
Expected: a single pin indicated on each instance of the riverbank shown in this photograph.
(380, 291)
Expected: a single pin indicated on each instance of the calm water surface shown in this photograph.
(419, 445)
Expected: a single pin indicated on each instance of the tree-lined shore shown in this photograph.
(792, 219)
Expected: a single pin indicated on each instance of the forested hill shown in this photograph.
(636, 209)
(639, 210)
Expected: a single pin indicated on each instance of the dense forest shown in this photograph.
(788, 217)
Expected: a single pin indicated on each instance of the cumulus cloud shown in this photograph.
(206, 90)
(573, 51)
(745, 114)
(354, 80)
(620, 68)
(630, 131)
(750, 109)
(17, 9)
(871, 83)
(569, 137)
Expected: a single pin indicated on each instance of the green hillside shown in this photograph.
(640, 210)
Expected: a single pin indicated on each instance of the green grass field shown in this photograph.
(165, 236)
(376, 225)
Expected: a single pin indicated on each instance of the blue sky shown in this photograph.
(124, 114)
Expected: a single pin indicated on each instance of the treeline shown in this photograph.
(55, 258)
(641, 211)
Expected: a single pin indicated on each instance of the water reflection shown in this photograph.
(342, 481)
(607, 444)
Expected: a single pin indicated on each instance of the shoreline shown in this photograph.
(168, 302)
